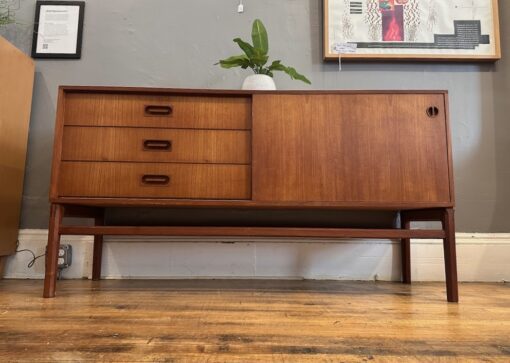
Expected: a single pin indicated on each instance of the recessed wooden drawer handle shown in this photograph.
(155, 179)
(156, 110)
(161, 145)
(432, 111)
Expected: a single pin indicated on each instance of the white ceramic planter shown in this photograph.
(259, 82)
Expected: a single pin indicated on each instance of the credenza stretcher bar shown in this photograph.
(284, 150)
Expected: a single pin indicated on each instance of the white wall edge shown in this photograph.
(481, 257)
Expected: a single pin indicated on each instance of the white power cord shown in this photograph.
(240, 7)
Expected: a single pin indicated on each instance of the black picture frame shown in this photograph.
(77, 54)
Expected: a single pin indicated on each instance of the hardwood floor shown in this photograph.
(252, 321)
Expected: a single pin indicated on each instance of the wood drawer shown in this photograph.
(166, 111)
(156, 145)
(154, 180)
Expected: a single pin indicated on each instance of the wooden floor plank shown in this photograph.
(252, 321)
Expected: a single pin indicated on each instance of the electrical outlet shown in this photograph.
(240, 8)
(65, 256)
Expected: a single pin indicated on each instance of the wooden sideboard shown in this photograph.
(318, 150)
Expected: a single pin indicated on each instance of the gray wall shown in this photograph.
(175, 43)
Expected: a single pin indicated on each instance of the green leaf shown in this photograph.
(6, 18)
(277, 66)
(295, 75)
(246, 47)
(254, 54)
(260, 59)
(235, 61)
(259, 37)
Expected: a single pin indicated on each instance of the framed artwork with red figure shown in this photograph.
(421, 30)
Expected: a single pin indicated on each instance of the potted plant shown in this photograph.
(6, 13)
(256, 57)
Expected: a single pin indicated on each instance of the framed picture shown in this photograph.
(421, 30)
(58, 29)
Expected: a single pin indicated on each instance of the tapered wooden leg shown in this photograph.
(98, 251)
(50, 278)
(405, 250)
(3, 260)
(450, 256)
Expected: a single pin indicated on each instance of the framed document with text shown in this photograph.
(58, 29)
(421, 30)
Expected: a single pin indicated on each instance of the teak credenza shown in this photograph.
(317, 150)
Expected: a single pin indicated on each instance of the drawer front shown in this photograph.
(208, 112)
(152, 180)
(156, 145)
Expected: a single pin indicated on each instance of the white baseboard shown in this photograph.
(480, 256)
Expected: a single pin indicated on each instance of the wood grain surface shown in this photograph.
(16, 84)
(359, 148)
(104, 179)
(226, 92)
(3, 261)
(253, 232)
(51, 258)
(155, 202)
(156, 145)
(98, 109)
(252, 321)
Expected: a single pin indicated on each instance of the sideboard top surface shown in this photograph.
(152, 90)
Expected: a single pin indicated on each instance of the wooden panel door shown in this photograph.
(351, 148)
(17, 80)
